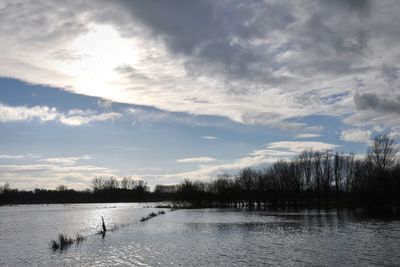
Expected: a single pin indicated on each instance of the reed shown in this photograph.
(79, 238)
(151, 215)
(65, 241)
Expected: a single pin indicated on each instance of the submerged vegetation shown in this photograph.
(313, 178)
(65, 241)
(151, 215)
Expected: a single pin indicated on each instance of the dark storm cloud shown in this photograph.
(187, 25)
(332, 40)
(335, 36)
(359, 6)
(390, 73)
(372, 101)
(220, 37)
(213, 36)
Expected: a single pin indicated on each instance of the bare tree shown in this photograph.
(97, 183)
(338, 170)
(383, 152)
(140, 185)
(349, 171)
(306, 163)
(126, 183)
(111, 183)
(246, 180)
(327, 170)
(317, 170)
(61, 188)
(5, 188)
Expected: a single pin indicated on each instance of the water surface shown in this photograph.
(205, 237)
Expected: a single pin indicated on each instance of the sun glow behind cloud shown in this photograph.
(96, 55)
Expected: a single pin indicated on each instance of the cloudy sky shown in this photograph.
(167, 90)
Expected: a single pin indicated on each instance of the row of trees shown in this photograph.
(104, 189)
(112, 183)
(312, 178)
(126, 190)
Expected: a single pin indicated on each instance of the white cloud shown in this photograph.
(74, 117)
(195, 160)
(106, 104)
(300, 146)
(22, 113)
(12, 156)
(209, 137)
(66, 160)
(77, 120)
(307, 135)
(356, 135)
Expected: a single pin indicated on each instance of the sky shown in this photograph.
(168, 90)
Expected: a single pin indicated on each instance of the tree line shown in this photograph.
(103, 189)
(313, 178)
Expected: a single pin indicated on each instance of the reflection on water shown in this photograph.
(196, 237)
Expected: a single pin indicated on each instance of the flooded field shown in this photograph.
(203, 237)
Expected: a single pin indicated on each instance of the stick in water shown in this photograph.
(104, 225)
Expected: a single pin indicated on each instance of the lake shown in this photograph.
(195, 237)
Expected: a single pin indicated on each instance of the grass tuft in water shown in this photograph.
(79, 238)
(65, 241)
(151, 215)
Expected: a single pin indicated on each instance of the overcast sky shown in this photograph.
(167, 90)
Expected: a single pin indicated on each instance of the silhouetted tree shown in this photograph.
(383, 152)
(126, 183)
(62, 188)
(97, 183)
(338, 172)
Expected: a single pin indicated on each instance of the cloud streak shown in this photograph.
(299, 146)
(74, 117)
(22, 113)
(307, 135)
(356, 135)
(373, 102)
(209, 137)
(196, 160)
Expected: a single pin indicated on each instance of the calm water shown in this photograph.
(195, 237)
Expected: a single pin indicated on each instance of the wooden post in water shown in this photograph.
(104, 225)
